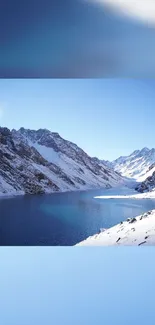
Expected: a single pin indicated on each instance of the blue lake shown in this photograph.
(63, 219)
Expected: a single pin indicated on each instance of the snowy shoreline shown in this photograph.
(147, 195)
(11, 195)
(131, 232)
(22, 193)
(84, 189)
(139, 231)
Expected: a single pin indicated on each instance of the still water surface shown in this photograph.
(62, 219)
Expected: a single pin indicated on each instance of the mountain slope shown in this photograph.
(133, 232)
(138, 165)
(149, 183)
(43, 162)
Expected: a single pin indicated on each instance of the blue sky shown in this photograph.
(77, 286)
(105, 117)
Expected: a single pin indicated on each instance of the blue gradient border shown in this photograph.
(77, 286)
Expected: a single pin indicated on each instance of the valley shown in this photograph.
(99, 193)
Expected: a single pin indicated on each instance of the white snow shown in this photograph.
(47, 153)
(136, 166)
(53, 177)
(133, 195)
(8, 190)
(148, 174)
(147, 195)
(71, 169)
(11, 194)
(127, 233)
(137, 231)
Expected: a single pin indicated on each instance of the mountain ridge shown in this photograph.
(136, 165)
(41, 161)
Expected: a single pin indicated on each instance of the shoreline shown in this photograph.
(11, 195)
(127, 237)
(22, 193)
(146, 195)
(139, 231)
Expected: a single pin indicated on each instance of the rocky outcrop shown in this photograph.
(147, 185)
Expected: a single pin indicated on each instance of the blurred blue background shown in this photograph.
(77, 286)
(72, 38)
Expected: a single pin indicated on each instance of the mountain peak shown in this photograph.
(145, 149)
(40, 161)
(137, 164)
(55, 134)
(38, 131)
(135, 152)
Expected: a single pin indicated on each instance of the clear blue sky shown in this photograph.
(66, 286)
(105, 117)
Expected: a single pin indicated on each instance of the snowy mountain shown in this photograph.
(139, 165)
(149, 183)
(43, 162)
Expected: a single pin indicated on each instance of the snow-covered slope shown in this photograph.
(135, 231)
(139, 165)
(43, 162)
(149, 183)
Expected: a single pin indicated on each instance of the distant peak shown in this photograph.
(42, 130)
(145, 149)
(141, 152)
(135, 152)
(55, 134)
(4, 130)
(22, 129)
(48, 132)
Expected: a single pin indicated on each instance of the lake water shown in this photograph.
(62, 219)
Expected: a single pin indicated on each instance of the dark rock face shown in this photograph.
(145, 215)
(23, 168)
(80, 181)
(142, 243)
(147, 185)
(15, 159)
(151, 167)
(5, 132)
(132, 220)
(6, 137)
